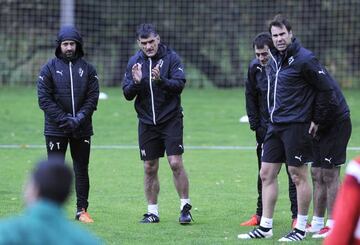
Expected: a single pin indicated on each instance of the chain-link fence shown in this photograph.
(212, 37)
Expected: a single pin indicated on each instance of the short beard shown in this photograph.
(69, 56)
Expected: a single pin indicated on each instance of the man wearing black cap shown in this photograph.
(44, 221)
(68, 93)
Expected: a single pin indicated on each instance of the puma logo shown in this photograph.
(298, 157)
(328, 159)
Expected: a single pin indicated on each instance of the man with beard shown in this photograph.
(68, 93)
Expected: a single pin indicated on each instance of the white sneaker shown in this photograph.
(293, 236)
(256, 233)
(322, 233)
(313, 228)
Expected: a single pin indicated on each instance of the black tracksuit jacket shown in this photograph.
(68, 87)
(301, 90)
(156, 101)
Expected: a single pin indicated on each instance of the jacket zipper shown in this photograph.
(72, 90)
(152, 93)
(275, 88)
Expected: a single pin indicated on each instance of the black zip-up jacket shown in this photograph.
(156, 101)
(295, 79)
(339, 113)
(68, 87)
(255, 95)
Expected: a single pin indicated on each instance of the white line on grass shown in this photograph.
(126, 147)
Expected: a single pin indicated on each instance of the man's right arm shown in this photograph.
(130, 88)
(45, 89)
(252, 100)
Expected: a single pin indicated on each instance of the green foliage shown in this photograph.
(222, 182)
(213, 38)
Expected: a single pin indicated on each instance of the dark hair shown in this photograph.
(53, 178)
(280, 21)
(144, 30)
(262, 39)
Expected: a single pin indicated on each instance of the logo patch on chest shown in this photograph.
(81, 72)
(291, 60)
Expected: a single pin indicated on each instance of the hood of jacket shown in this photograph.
(69, 33)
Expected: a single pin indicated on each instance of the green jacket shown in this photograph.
(44, 223)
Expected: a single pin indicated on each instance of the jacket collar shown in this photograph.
(44, 208)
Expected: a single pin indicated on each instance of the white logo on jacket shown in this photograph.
(291, 60)
(60, 72)
(81, 72)
(160, 63)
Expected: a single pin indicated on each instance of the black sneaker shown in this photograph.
(293, 236)
(150, 218)
(257, 233)
(185, 215)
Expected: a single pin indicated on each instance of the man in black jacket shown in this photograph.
(256, 107)
(330, 145)
(295, 80)
(156, 78)
(68, 93)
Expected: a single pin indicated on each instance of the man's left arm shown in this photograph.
(175, 83)
(326, 100)
(92, 96)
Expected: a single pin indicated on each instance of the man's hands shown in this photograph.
(70, 123)
(155, 73)
(136, 73)
(260, 134)
(313, 129)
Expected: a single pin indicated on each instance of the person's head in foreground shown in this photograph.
(50, 180)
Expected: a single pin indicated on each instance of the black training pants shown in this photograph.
(80, 153)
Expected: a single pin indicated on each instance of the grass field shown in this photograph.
(222, 181)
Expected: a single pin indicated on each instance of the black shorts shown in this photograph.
(330, 146)
(288, 143)
(155, 139)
